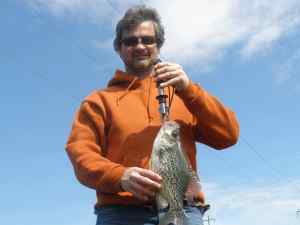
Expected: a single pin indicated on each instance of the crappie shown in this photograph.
(170, 162)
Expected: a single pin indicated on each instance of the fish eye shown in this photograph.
(174, 133)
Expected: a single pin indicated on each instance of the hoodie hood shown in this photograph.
(130, 82)
(121, 79)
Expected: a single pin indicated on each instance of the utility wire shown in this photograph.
(113, 7)
(229, 165)
(261, 157)
(142, 2)
(38, 15)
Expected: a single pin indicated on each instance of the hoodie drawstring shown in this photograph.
(171, 95)
(127, 90)
(148, 100)
(171, 92)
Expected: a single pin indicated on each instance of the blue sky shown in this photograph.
(54, 53)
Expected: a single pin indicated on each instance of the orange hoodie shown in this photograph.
(115, 129)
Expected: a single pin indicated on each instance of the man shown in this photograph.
(112, 135)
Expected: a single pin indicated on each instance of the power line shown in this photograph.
(229, 165)
(142, 2)
(118, 12)
(36, 14)
(261, 157)
(59, 32)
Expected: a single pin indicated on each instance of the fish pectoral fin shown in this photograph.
(162, 203)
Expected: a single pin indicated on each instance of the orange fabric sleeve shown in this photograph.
(85, 149)
(214, 124)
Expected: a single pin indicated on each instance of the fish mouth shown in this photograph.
(172, 124)
(172, 128)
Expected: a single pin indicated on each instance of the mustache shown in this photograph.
(140, 54)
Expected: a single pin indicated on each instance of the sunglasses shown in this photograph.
(133, 40)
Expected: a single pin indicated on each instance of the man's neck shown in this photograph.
(140, 74)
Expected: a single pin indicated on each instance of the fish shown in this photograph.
(169, 160)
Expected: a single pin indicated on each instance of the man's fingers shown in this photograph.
(167, 76)
(165, 64)
(150, 174)
(142, 183)
(148, 183)
(167, 69)
(171, 82)
(141, 192)
(148, 179)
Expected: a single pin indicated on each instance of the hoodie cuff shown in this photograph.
(112, 181)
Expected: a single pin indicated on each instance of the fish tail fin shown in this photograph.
(173, 219)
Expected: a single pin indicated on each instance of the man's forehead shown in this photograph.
(146, 27)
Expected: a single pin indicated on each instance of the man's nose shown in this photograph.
(140, 45)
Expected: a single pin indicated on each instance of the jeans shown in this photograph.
(136, 215)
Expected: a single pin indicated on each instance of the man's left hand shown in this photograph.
(171, 74)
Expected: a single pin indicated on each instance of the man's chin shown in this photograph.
(142, 66)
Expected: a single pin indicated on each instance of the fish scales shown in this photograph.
(169, 161)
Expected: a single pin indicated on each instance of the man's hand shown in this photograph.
(142, 183)
(171, 74)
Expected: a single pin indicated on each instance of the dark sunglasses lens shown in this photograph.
(130, 41)
(148, 40)
(133, 41)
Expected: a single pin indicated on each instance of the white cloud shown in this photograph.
(200, 31)
(254, 204)
(262, 40)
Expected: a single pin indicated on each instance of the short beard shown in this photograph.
(140, 68)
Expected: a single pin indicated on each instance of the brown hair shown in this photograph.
(135, 16)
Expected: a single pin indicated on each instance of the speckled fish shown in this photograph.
(170, 162)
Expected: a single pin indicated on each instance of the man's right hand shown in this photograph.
(142, 183)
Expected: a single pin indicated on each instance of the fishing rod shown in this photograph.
(162, 99)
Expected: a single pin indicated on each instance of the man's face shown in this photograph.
(138, 49)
